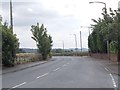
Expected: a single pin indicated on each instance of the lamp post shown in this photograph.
(108, 48)
(81, 41)
(63, 47)
(87, 27)
(101, 3)
(75, 42)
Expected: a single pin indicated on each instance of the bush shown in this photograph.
(9, 46)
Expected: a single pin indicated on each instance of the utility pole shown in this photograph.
(80, 41)
(11, 17)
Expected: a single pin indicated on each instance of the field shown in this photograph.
(27, 57)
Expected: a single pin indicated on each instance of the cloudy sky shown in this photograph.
(62, 18)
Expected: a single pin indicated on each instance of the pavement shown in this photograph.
(112, 66)
(19, 67)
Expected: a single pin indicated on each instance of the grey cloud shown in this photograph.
(23, 17)
(39, 14)
(5, 5)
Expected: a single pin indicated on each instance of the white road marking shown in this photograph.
(64, 65)
(68, 63)
(114, 84)
(106, 69)
(42, 75)
(56, 69)
(19, 85)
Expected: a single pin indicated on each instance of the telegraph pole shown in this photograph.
(11, 17)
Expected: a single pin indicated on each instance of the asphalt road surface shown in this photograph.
(63, 72)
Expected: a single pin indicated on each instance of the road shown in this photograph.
(63, 72)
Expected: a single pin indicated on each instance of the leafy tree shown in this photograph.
(116, 28)
(9, 46)
(106, 29)
(43, 40)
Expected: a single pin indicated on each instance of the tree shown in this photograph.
(43, 40)
(10, 46)
(106, 29)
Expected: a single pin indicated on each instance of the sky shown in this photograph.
(62, 18)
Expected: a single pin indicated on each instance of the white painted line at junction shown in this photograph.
(42, 75)
(19, 85)
(114, 84)
(56, 69)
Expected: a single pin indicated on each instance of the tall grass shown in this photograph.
(27, 57)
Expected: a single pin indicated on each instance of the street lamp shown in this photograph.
(81, 41)
(101, 3)
(75, 41)
(108, 48)
(63, 49)
(80, 33)
(87, 27)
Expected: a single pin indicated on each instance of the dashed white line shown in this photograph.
(106, 69)
(114, 84)
(19, 85)
(68, 63)
(56, 69)
(42, 75)
(64, 65)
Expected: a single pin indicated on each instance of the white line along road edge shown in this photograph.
(114, 84)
